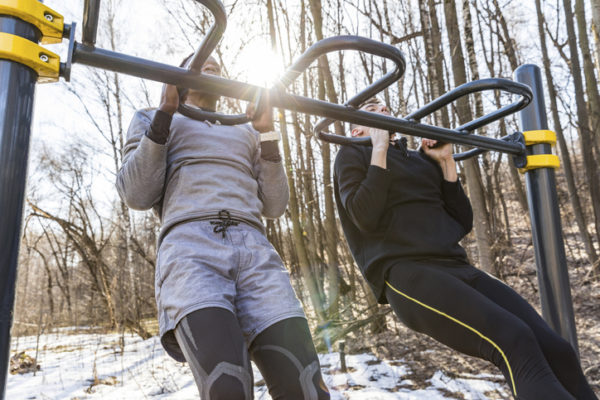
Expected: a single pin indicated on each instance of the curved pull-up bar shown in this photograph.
(214, 34)
(90, 55)
(91, 14)
(348, 43)
(481, 85)
(465, 89)
(204, 51)
(152, 70)
(405, 124)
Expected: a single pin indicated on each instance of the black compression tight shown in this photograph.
(476, 314)
(214, 347)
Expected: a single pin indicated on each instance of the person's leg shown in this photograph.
(558, 352)
(214, 347)
(273, 322)
(431, 300)
(285, 355)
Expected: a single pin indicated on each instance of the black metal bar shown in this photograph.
(322, 47)
(477, 86)
(214, 34)
(463, 90)
(338, 43)
(197, 61)
(16, 105)
(146, 69)
(475, 152)
(553, 278)
(346, 42)
(91, 13)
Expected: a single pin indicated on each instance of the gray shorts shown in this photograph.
(197, 268)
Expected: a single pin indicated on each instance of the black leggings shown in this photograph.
(214, 347)
(476, 314)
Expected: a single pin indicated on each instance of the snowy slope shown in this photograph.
(71, 363)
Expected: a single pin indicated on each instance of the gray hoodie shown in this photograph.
(202, 169)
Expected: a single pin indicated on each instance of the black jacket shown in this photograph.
(407, 211)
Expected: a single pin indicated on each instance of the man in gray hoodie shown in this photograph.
(223, 294)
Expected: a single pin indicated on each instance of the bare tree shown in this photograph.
(585, 133)
(566, 159)
(474, 183)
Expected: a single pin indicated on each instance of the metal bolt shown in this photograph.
(44, 58)
(49, 17)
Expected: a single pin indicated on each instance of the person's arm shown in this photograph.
(140, 180)
(273, 190)
(456, 202)
(362, 188)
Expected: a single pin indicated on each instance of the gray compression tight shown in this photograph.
(214, 347)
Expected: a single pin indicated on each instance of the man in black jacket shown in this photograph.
(404, 213)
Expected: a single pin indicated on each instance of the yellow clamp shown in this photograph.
(23, 51)
(541, 136)
(50, 23)
(541, 161)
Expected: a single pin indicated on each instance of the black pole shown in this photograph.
(91, 13)
(17, 86)
(553, 278)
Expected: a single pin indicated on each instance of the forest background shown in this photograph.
(87, 260)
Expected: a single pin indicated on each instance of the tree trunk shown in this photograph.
(485, 158)
(474, 184)
(303, 261)
(507, 41)
(331, 233)
(425, 28)
(590, 78)
(513, 59)
(438, 60)
(596, 30)
(585, 134)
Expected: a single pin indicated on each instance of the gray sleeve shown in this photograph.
(141, 178)
(273, 188)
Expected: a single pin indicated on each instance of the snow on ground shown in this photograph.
(70, 364)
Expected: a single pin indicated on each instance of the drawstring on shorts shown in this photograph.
(223, 223)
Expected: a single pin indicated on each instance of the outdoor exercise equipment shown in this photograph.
(23, 62)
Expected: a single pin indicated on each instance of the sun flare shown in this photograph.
(264, 66)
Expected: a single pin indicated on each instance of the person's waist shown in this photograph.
(381, 255)
(205, 215)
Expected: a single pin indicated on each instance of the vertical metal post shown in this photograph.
(17, 86)
(553, 278)
(91, 13)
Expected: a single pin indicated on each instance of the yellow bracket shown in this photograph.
(541, 136)
(541, 161)
(48, 21)
(23, 51)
